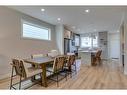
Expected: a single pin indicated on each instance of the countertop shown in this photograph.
(88, 51)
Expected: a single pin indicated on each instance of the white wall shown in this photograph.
(114, 45)
(11, 43)
(122, 36)
(60, 38)
(125, 43)
(125, 46)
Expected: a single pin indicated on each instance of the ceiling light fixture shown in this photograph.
(58, 19)
(87, 11)
(42, 10)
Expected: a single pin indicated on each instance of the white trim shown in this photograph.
(36, 25)
(89, 35)
(5, 76)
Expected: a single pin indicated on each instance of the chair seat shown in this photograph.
(50, 69)
(23, 71)
(33, 71)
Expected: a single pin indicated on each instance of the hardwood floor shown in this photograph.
(107, 76)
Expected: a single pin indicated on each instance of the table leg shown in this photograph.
(33, 78)
(44, 78)
(69, 68)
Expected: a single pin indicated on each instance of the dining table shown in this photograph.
(42, 62)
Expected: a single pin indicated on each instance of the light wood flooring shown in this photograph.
(107, 76)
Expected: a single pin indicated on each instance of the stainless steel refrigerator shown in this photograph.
(67, 45)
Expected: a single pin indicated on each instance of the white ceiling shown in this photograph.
(101, 18)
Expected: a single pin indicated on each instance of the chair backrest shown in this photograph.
(58, 63)
(19, 67)
(71, 60)
(98, 54)
(36, 55)
(53, 53)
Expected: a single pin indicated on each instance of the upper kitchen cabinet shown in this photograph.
(67, 34)
(75, 38)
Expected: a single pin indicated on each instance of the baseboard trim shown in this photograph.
(115, 58)
(5, 76)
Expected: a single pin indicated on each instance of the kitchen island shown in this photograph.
(86, 56)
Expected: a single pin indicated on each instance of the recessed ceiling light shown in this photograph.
(58, 19)
(42, 10)
(87, 11)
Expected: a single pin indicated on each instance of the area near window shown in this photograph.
(85, 42)
(34, 31)
(89, 40)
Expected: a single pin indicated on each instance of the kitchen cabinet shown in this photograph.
(67, 34)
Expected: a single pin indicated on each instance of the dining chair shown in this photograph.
(71, 62)
(53, 53)
(36, 55)
(22, 72)
(97, 58)
(57, 69)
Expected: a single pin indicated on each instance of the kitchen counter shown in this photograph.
(86, 56)
(89, 51)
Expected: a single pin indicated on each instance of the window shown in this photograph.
(36, 32)
(86, 42)
(76, 40)
(95, 41)
(89, 41)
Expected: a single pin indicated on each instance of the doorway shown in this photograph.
(114, 46)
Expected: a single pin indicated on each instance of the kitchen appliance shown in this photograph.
(67, 45)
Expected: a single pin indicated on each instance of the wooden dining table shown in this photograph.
(42, 61)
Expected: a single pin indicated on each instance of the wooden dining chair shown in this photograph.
(97, 58)
(22, 72)
(57, 68)
(53, 53)
(71, 62)
(36, 55)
